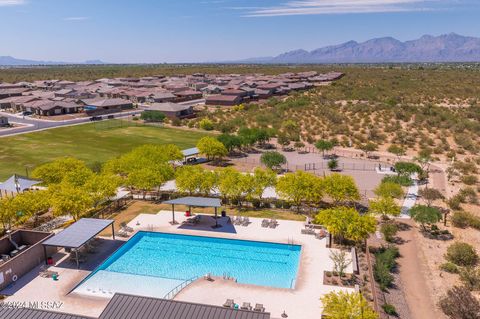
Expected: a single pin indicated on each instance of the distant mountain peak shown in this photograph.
(8, 60)
(449, 47)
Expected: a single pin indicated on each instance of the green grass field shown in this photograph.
(93, 142)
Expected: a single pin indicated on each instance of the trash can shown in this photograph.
(224, 213)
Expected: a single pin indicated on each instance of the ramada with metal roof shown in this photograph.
(78, 234)
(123, 306)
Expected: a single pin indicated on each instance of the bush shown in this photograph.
(153, 116)
(470, 277)
(206, 124)
(460, 303)
(390, 309)
(449, 267)
(461, 219)
(400, 180)
(469, 179)
(462, 254)
(389, 231)
(384, 264)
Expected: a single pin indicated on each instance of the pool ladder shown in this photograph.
(291, 242)
(227, 276)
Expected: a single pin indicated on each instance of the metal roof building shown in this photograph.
(28, 313)
(127, 306)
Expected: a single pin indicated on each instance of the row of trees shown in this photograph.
(72, 188)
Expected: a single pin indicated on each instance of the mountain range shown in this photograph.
(444, 48)
(11, 61)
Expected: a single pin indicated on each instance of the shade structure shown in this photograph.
(78, 234)
(17, 184)
(190, 152)
(195, 202)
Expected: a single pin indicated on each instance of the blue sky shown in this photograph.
(157, 31)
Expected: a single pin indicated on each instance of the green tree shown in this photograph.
(67, 199)
(211, 148)
(346, 223)
(344, 305)
(54, 172)
(425, 215)
(31, 205)
(340, 188)
(229, 183)
(300, 187)
(101, 187)
(273, 160)
(8, 212)
(231, 142)
(263, 178)
(385, 207)
(389, 189)
(324, 146)
(188, 179)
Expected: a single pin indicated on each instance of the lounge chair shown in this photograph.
(229, 303)
(122, 233)
(246, 306)
(128, 229)
(265, 223)
(81, 257)
(259, 308)
(246, 221)
(322, 234)
(273, 223)
(239, 221)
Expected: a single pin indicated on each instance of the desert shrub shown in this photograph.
(459, 303)
(462, 254)
(470, 277)
(206, 124)
(384, 264)
(461, 219)
(464, 219)
(389, 230)
(389, 309)
(469, 179)
(449, 267)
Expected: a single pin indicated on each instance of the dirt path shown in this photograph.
(412, 268)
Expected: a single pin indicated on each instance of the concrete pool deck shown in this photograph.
(301, 302)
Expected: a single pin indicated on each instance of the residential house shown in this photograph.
(223, 100)
(173, 110)
(105, 106)
(188, 95)
(161, 97)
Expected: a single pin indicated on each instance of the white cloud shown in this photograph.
(311, 7)
(4, 3)
(76, 18)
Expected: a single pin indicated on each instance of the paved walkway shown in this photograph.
(410, 200)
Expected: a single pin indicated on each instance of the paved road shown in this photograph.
(32, 124)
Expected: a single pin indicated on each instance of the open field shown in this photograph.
(94, 143)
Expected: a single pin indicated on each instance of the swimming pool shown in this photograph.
(152, 264)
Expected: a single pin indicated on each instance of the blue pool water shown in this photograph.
(152, 264)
